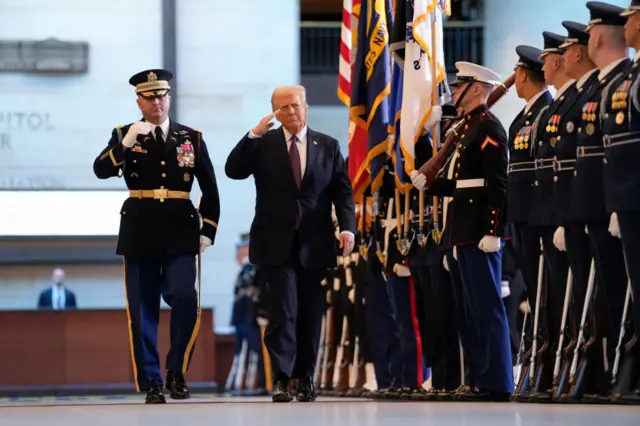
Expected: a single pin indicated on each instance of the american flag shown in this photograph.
(346, 44)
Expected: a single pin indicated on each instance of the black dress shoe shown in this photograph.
(281, 391)
(306, 392)
(155, 395)
(475, 394)
(177, 386)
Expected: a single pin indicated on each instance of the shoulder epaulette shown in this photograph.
(121, 126)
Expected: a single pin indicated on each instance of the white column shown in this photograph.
(231, 55)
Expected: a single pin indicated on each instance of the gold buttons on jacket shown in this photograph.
(162, 163)
(164, 175)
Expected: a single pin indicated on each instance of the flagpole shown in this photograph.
(435, 134)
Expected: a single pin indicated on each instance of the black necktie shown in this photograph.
(159, 134)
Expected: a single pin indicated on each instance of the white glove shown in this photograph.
(614, 226)
(401, 270)
(489, 244)
(435, 117)
(505, 289)
(558, 239)
(204, 243)
(137, 128)
(455, 252)
(445, 263)
(418, 179)
(262, 322)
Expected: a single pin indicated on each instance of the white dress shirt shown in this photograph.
(584, 78)
(533, 101)
(563, 89)
(165, 129)
(607, 70)
(58, 298)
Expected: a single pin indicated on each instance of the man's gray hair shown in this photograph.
(300, 90)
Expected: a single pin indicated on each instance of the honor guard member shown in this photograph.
(160, 232)
(607, 49)
(543, 216)
(532, 87)
(621, 129)
(476, 179)
(570, 235)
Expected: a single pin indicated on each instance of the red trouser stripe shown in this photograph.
(416, 330)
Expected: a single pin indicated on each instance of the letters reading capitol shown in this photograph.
(12, 123)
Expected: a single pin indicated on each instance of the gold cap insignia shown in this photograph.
(152, 76)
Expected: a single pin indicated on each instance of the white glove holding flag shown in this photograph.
(434, 118)
(204, 243)
(418, 179)
(137, 128)
(558, 239)
(504, 290)
(614, 226)
(489, 244)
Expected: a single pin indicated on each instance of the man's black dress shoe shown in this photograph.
(306, 391)
(177, 386)
(155, 395)
(281, 392)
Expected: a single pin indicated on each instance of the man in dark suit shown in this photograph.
(161, 233)
(57, 297)
(298, 173)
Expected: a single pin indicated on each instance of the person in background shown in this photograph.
(57, 297)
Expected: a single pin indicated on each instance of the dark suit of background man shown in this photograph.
(57, 297)
(298, 174)
(160, 232)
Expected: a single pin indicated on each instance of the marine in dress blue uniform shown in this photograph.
(160, 232)
(621, 129)
(476, 179)
(531, 86)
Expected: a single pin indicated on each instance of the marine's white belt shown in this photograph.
(469, 183)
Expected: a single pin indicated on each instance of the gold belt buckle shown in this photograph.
(160, 194)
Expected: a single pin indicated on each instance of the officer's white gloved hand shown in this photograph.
(137, 128)
(445, 263)
(434, 118)
(204, 243)
(418, 179)
(262, 322)
(401, 270)
(614, 226)
(506, 292)
(558, 239)
(455, 252)
(489, 244)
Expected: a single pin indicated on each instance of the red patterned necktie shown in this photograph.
(294, 157)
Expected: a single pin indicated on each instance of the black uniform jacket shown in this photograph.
(587, 192)
(521, 165)
(479, 184)
(279, 200)
(621, 128)
(565, 154)
(543, 210)
(163, 226)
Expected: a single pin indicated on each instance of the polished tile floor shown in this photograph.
(210, 411)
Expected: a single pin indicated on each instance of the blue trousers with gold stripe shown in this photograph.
(146, 281)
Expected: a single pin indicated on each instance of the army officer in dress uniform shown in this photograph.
(160, 231)
(476, 178)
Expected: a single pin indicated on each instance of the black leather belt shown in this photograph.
(522, 166)
(612, 141)
(589, 151)
(564, 165)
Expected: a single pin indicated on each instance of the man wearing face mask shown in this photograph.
(160, 232)
(299, 173)
(476, 179)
